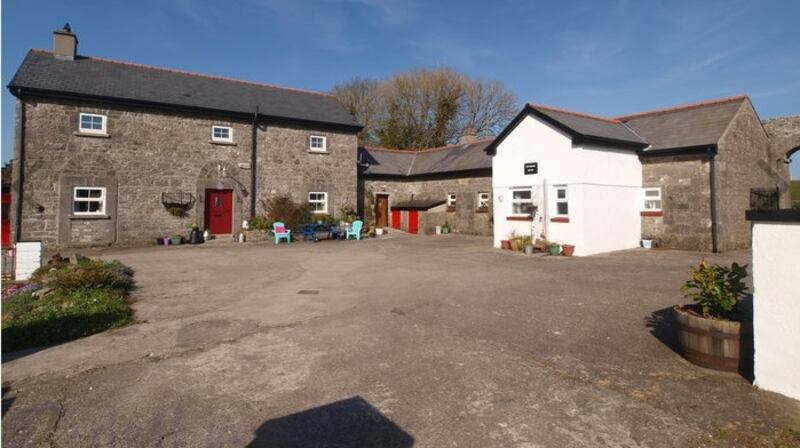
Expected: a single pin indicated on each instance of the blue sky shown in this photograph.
(607, 58)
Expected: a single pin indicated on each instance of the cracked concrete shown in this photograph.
(423, 341)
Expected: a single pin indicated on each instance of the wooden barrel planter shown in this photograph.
(710, 343)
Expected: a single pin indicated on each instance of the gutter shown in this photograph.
(253, 158)
(20, 170)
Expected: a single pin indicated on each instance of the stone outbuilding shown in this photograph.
(458, 176)
(110, 152)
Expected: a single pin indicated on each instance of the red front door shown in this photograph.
(219, 211)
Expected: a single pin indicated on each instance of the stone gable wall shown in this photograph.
(149, 152)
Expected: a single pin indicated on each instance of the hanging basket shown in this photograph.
(177, 203)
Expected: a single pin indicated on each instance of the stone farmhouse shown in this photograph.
(113, 153)
(418, 190)
(106, 150)
(682, 176)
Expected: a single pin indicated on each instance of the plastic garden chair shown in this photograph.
(281, 232)
(355, 230)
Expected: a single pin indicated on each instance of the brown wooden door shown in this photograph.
(219, 211)
(382, 210)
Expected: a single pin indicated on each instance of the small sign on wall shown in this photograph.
(532, 168)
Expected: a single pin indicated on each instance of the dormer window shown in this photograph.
(222, 134)
(318, 143)
(92, 124)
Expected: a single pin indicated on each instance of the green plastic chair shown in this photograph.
(355, 230)
(281, 232)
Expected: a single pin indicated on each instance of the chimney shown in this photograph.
(468, 136)
(65, 44)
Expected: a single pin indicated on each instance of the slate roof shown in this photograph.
(418, 204)
(102, 78)
(447, 159)
(691, 125)
(589, 126)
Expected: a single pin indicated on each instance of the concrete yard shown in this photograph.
(394, 342)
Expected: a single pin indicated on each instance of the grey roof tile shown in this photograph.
(96, 77)
(589, 125)
(447, 159)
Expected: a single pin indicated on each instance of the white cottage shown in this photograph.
(573, 177)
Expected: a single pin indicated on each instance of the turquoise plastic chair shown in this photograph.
(286, 234)
(355, 230)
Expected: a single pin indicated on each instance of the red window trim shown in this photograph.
(451, 209)
(481, 210)
(652, 213)
(560, 219)
(519, 218)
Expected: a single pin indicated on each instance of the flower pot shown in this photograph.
(505, 244)
(529, 249)
(438, 230)
(567, 250)
(166, 240)
(176, 240)
(554, 249)
(378, 231)
(647, 244)
(513, 245)
(711, 343)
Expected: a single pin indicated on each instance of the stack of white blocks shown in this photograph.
(28, 259)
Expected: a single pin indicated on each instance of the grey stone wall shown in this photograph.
(784, 135)
(744, 161)
(685, 192)
(464, 219)
(149, 152)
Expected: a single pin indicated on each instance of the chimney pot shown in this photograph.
(468, 136)
(65, 43)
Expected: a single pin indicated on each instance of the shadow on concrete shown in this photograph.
(7, 401)
(349, 423)
(664, 327)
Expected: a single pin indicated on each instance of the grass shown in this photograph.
(86, 298)
(796, 193)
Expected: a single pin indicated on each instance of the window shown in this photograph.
(222, 134)
(483, 200)
(318, 201)
(318, 143)
(89, 201)
(521, 202)
(562, 204)
(451, 200)
(652, 199)
(92, 124)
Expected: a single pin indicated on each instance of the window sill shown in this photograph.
(652, 213)
(451, 210)
(90, 134)
(519, 218)
(89, 217)
(311, 151)
(560, 219)
(221, 143)
(481, 210)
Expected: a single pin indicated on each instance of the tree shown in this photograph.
(426, 108)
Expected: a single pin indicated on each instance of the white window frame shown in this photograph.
(646, 199)
(557, 200)
(83, 130)
(214, 138)
(452, 200)
(323, 201)
(323, 148)
(515, 201)
(483, 200)
(102, 200)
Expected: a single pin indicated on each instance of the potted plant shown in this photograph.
(567, 250)
(505, 244)
(554, 249)
(195, 237)
(445, 227)
(176, 239)
(166, 240)
(709, 331)
(647, 242)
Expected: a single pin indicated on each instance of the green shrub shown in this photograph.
(284, 209)
(716, 289)
(85, 274)
(63, 315)
(260, 222)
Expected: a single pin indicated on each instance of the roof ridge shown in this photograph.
(189, 73)
(679, 107)
(422, 150)
(572, 112)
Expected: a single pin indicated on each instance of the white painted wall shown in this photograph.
(776, 307)
(603, 187)
(28, 259)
